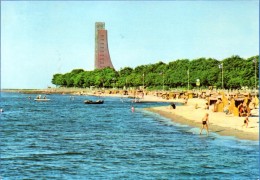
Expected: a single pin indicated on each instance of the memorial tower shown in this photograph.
(102, 57)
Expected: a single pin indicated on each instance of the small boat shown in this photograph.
(44, 100)
(137, 100)
(94, 102)
(39, 98)
(141, 101)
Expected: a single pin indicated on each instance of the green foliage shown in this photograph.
(58, 80)
(237, 72)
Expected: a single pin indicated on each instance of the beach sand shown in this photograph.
(219, 122)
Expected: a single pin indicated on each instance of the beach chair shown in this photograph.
(220, 107)
(235, 111)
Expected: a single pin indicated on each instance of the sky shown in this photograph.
(42, 38)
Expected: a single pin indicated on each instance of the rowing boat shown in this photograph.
(94, 102)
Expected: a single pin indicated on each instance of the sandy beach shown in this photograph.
(219, 122)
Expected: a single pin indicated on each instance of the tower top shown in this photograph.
(100, 25)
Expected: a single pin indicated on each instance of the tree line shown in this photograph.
(237, 72)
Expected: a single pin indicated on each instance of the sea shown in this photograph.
(67, 139)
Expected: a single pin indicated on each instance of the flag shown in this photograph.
(220, 66)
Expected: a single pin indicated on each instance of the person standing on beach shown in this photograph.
(173, 106)
(246, 122)
(205, 121)
(185, 100)
(206, 106)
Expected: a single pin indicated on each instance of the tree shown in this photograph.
(237, 72)
(58, 80)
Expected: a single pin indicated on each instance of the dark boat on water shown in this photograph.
(94, 102)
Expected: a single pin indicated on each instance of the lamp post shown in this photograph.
(162, 73)
(222, 76)
(143, 81)
(221, 67)
(255, 75)
(163, 80)
(114, 83)
(188, 73)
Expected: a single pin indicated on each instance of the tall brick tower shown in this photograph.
(102, 57)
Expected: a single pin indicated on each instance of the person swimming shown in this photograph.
(133, 109)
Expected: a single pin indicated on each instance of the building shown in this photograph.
(102, 57)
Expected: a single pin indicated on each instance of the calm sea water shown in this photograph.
(67, 139)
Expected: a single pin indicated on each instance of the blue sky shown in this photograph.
(41, 38)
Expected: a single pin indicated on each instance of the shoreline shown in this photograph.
(223, 131)
(219, 122)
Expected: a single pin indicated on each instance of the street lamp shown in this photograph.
(255, 74)
(162, 73)
(163, 81)
(221, 67)
(114, 83)
(143, 81)
(222, 76)
(188, 73)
